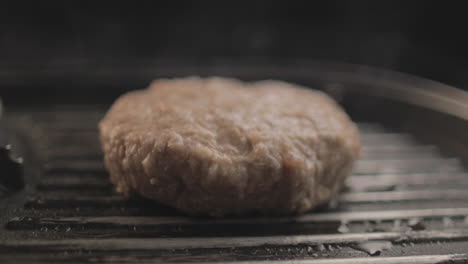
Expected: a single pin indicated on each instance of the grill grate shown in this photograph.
(404, 203)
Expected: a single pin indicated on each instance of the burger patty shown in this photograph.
(220, 146)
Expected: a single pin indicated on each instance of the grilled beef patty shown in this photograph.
(221, 146)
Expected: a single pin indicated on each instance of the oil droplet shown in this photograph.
(374, 248)
(309, 249)
(413, 221)
(397, 225)
(321, 247)
(402, 239)
(153, 181)
(343, 228)
(447, 221)
(44, 229)
(416, 224)
(68, 229)
(368, 226)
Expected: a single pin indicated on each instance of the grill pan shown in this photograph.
(406, 201)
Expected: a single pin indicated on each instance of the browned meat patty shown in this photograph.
(220, 146)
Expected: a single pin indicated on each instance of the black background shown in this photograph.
(423, 38)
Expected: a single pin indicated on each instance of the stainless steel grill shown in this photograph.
(405, 203)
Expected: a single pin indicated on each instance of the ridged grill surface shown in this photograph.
(405, 203)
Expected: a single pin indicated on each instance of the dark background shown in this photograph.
(43, 43)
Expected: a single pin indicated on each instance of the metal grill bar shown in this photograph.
(183, 258)
(406, 194)
(345, 217)
(112, 244)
